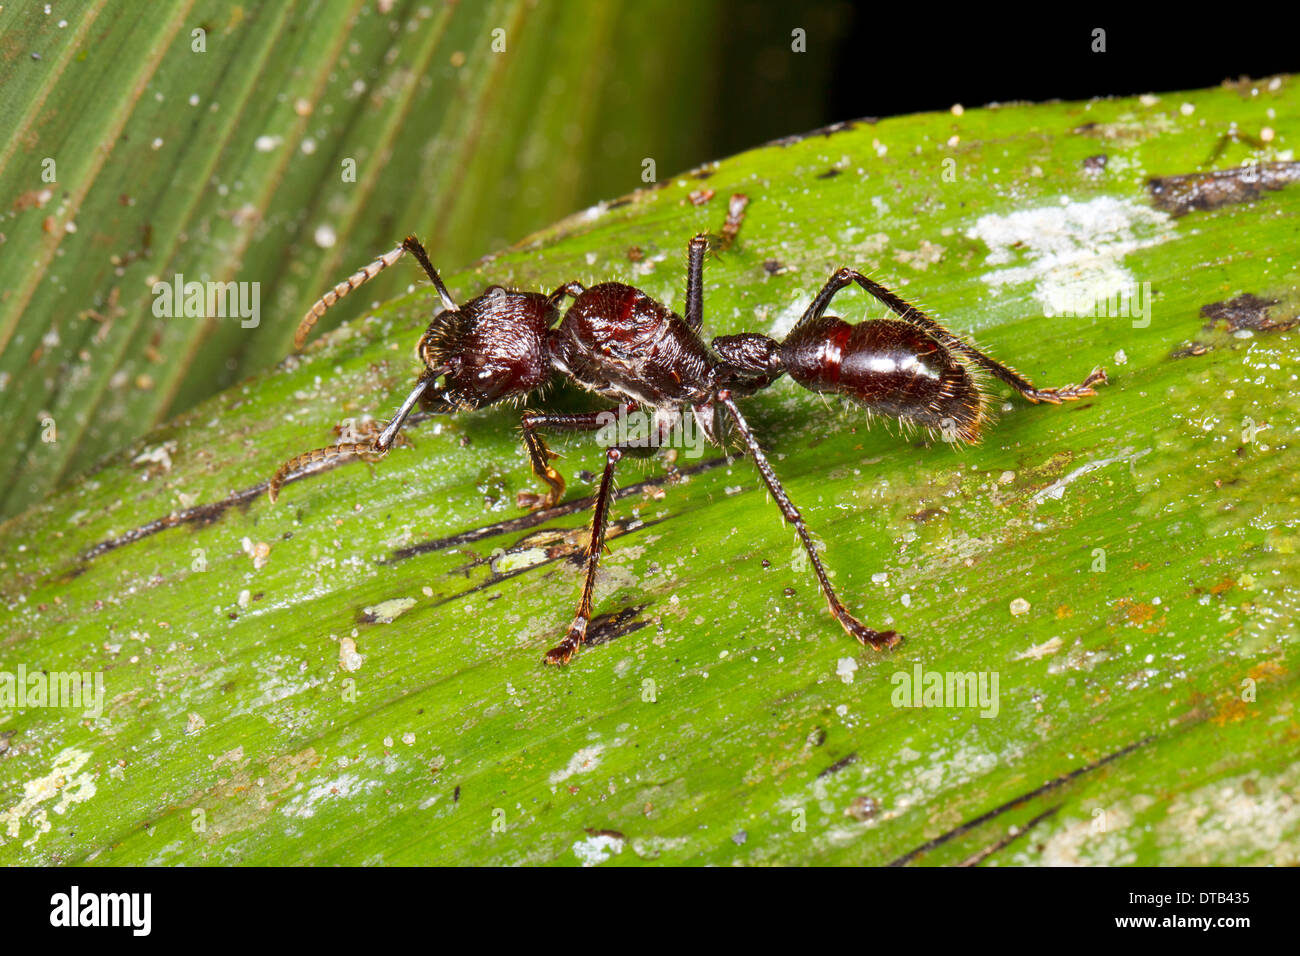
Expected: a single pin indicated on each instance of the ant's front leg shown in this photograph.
(577, 633)
(541, 456)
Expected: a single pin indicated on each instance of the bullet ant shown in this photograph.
(619, 343)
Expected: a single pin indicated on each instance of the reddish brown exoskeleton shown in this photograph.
(619, 343)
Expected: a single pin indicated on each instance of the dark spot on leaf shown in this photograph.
(612, 834)
(610, 627)
(839, 765)
(863, 808)
(829, 174)
(1179, 195)
(1245, 312)
(1188, 351)
(617, 203)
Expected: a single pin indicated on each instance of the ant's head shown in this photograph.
(490, 349)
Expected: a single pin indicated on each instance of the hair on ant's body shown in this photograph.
(618, 342)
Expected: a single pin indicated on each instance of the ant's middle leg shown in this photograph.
(880, 640)
(695, 251)
(540, 456)
(909, 313)
(577, 633)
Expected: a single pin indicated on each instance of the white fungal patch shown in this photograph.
(1039, 651)
(595, 850)
(1075, 250)
(342, 787)
(845, 668)
(787, 317)
(66, 780)
(385, 612)
(583, 761)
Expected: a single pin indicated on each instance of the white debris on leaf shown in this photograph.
(385, 612)
(349, 659)
(844, 669)
(1039, 651)
(259, 552)
(595, 850)
(1072, 253)
(160, 455)
(583, 761)
(1019, 606)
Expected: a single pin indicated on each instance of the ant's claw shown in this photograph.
(559, 655)
(563, 652)
(880, 640)
(887, 640)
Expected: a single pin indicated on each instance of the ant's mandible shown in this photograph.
(618, 342)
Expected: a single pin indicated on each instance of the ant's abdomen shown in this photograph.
(890, 367)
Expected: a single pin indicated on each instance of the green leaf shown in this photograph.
(354, 676)
(214, 142)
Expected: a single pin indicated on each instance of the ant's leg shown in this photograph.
(572, 289)
(541, 456)
(409, 244)
(367, 451)
(880, 640)
(915, 316)
(695, 251)
(577, 633)
(412, 245)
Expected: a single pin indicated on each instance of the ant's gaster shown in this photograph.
(619, 343)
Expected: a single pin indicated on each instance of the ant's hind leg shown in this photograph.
(911, 314)
(577, 633)
(880, 640)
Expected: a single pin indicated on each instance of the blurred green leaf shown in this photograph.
(210, 141)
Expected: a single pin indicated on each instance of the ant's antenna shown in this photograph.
(409, 244)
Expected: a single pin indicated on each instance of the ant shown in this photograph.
(621, 344)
